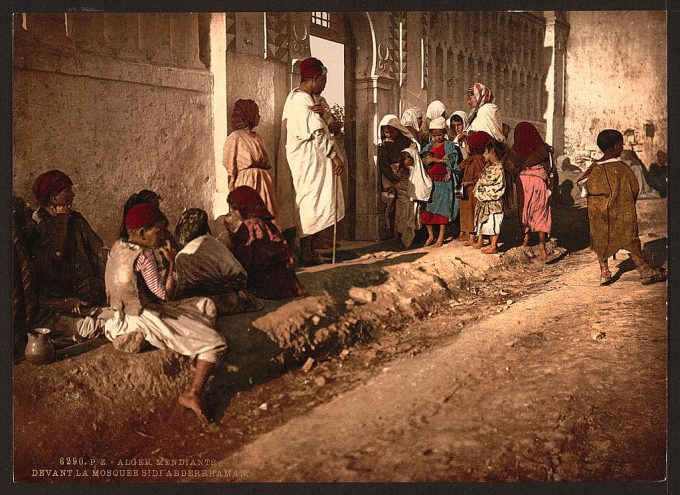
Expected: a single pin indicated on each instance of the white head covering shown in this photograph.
(410, 117)
(393, 121)
(461, 114)
(435, 109)
(438, 123)
(420, 187)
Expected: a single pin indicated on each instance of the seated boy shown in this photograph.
(612, 192)
(139, 298)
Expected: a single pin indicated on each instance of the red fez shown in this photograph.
(143, 215)
(478, 140)
(311, 67)
(48, 184)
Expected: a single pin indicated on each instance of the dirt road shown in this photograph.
(522, 371)
(548, 389)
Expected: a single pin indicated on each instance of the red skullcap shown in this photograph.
(48, 184)
(143, 215)
(311, 67)
(478, 140)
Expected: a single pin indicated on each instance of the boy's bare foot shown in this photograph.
(542, 254)
(428, 242)
(191, 400)
(439, 243)
(488, 250)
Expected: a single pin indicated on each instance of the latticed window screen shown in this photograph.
(323, 19)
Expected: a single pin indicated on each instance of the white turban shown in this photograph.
(438, 123)
(435, 109)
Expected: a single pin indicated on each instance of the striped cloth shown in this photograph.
(244, 115)
(147, 267)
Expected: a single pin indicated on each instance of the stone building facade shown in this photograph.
(120, 102)
(123, 102)
(617, 78)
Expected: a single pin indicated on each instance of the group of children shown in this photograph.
(428, 186)
(424, 180)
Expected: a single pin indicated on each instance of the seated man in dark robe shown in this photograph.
(24, 287)
(69, 257)
(657, 177)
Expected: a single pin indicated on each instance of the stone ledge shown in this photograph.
(107, 68)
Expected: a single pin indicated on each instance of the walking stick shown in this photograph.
(335, 212)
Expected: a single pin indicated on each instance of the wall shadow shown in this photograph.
(254, 358)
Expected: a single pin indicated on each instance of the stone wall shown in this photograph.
(129, 101)
(500, 49)
(119, 102)
(616, 78)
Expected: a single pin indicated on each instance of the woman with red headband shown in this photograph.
(143, 308)
(260, 247)
(245, 156)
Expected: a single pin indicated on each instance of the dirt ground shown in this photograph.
(528, 371)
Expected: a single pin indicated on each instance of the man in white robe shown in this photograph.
(313, 159)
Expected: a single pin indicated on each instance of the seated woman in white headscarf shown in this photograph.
(392, 137)
(414, 185)
(412, 119)
(484, 115)
(434, 110)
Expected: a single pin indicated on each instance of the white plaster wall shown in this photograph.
(94, 96)
(616, 78)
(113, 138)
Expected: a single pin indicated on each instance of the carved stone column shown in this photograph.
(556, 36)
(374, 99)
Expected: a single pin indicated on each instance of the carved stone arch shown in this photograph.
(370, 93)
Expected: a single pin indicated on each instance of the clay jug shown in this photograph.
(39, 349)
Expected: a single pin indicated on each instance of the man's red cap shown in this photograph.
(311, 67)
(143, 215)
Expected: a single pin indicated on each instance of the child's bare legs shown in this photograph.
(430, 235)
(493, 245)
(479, 243)
(471, 240)
(605, 274)
(192, 397)
(440, 239)
(542, 254)
(525, 240)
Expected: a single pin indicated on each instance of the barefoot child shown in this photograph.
(139, 297)
(612, 192)
(442, 163)
(489, 192)
(472, 168)
(414, 186)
